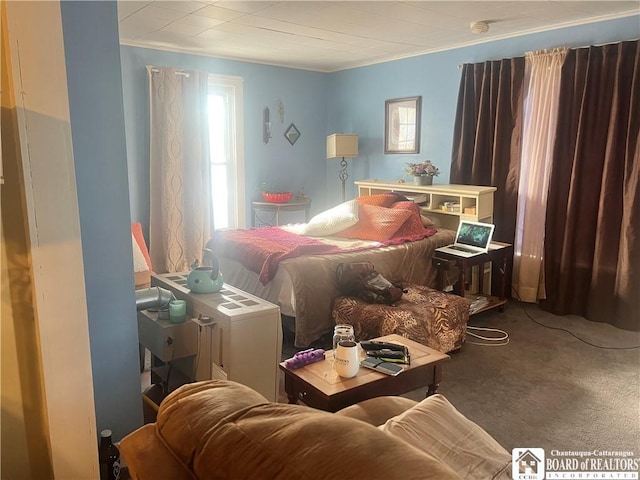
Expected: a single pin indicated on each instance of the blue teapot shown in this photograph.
(206, 278)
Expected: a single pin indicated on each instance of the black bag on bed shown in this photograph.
(360, 279)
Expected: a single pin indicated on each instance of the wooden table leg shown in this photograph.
(461, 278)
(290, 390)
(432, 388)
(503, 286)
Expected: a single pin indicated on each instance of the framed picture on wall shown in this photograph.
(402, 125)
(292, 134)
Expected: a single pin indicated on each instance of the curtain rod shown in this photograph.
(178, 72)
(460, 65)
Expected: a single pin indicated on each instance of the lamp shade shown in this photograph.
(342, 145)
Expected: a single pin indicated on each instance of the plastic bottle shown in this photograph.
(109, 457)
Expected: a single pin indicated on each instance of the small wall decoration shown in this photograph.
(402, 125)
(266, 125)
(292, 134)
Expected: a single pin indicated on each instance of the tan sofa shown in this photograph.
(224, 430)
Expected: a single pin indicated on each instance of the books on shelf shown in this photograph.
(451, 207)
(418, 198)
(478, 304)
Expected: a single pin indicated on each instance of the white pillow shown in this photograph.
(434, 426)
(333, 220)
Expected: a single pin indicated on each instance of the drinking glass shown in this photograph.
(340, 333)
(177, 311)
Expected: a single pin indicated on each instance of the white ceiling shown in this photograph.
(334, 35)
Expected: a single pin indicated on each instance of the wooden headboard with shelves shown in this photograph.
(446, 203)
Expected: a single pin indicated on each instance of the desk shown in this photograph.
(273, 210)
(499, 255)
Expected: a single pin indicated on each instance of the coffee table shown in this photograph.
(319, 386)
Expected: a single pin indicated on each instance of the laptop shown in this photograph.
(472, 238)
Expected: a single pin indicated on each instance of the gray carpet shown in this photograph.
(547, 389)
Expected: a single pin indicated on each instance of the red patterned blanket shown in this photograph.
(261, 249)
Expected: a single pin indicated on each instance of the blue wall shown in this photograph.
(92, 55)
(347, 101)
(283, 166)
(357, 96)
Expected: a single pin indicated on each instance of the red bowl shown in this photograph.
(279, 197)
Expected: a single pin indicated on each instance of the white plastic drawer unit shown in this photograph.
(242, 341)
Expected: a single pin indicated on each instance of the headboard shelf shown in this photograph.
(444, 203)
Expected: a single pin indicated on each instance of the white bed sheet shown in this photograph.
(279, 290)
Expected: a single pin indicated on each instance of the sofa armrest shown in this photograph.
(147, 458)
(376, 411)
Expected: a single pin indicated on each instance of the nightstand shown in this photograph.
(499, 255)
(268, 213)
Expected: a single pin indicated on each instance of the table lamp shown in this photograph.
(342, 145)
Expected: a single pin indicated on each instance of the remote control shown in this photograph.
(304, 357)
(386, 353)
(378, 345)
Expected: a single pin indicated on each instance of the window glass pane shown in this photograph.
(217, 128)
(220, 196)
(226, 160)
(219, 161)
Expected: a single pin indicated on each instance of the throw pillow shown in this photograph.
(380, 200)
(434, 426)
(376, 223)
(136, 231)
(333, 220)
(427, 221)
(412, 227)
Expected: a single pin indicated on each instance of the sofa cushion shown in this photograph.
(186, 416)
(436, 427)
(376, 411)
(280, 441)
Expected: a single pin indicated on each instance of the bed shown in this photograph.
(295, 266)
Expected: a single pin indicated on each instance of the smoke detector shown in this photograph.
(479, 27)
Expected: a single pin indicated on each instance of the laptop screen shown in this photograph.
(474, 234)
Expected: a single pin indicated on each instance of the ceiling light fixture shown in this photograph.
(479, 27)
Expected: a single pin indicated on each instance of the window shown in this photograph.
(226, 151)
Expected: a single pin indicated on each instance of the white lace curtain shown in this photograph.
(541, 87)
(180, 210)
